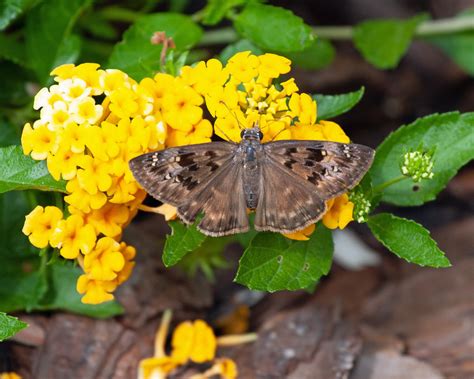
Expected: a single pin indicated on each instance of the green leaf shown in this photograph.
(216, 10)
(19, 172)
(241, 45)
(62, 294)
(273, 28)
(11, 9)
(458, 46)
(316, 56)
(451, 135)
(12, 50)
(9, 326)
(384, 42)
(21, 284)
(273, 262)
(407, 239)
(138, 57)
(181, 241)
(13, 92)
(330, 106)
(48, 35)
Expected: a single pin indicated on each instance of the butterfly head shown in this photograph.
(251, 134)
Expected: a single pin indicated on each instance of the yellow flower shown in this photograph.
(86, 111)
(81, 199)
(101, 141)
(96, 291)
(123, 102)
(243, 66)
(9, 375)
(56, 115)
(109, 219)
(72, 235)
(73, 89)
(105, 260)
(205, 75)
(74, 136)
(128, 253)
(339, 213)
(193, 341)
(94, 175)
(112, 80)
(46, 97)
(333, 132)
(272, 65)
(63, 163)
(181, 107)
(40, 224)
(225, 367)
(304, 107)
(38, 141)
(301, 235)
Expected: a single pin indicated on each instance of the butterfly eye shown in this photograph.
(260, 135)
(242, 133)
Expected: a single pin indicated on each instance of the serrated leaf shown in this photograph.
(316, 56)
(20, 172)
(451, 135)
(181, 241)
(273, 28)
(242, 45)
(138, 57)
(273, 262)
(330, 106)
(384, 42)
(9, 326)
(11, 9)
(459, 46)
(48, 34)
(407, 239)
(216, 10)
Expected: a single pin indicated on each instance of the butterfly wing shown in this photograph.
(189, 177)
(309, 173)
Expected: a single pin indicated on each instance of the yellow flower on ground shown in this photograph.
(72, 236)
(105, 260)
(95, 291)
(193, 341)
(9, 375)
(40, 225)
(340, 212)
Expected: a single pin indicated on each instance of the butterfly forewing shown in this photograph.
(298, 177)
(172, 175)
(332, 168)
(198, 179)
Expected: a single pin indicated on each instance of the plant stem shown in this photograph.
(388, 183)
(114, 13)
(425, 29)
(236, 339)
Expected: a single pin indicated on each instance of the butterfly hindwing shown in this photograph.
(172, 175)
(286, 202)
(221, 202)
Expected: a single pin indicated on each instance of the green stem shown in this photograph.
(388, 183)
(425, 29)
(114, 13)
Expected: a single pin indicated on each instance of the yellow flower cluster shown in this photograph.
(9, 375)
(191, 342)
(93, 121)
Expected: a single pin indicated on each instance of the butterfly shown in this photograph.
(287, 182)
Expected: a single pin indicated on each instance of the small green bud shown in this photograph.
(417, 165)
(362, 206)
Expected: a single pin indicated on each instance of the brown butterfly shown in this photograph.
(287, 183)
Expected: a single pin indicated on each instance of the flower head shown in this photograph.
(72, 236)
(40, 225)
(418, 165)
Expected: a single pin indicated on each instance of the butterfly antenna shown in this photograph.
(282, 130)
(225, 135)
(234, 115)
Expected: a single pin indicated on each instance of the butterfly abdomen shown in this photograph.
(251, 153)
